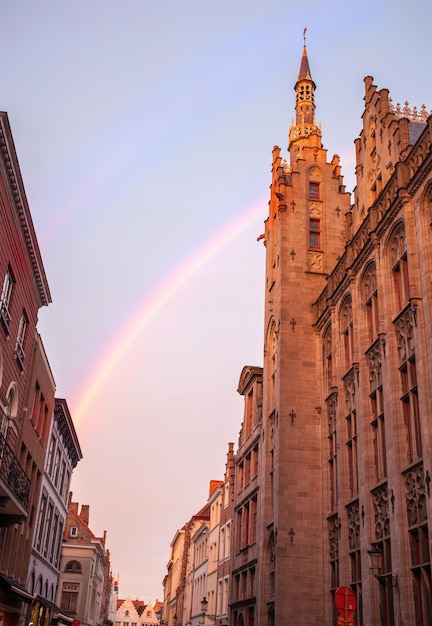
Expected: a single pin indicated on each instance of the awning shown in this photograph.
(55, 609)
(16, 588)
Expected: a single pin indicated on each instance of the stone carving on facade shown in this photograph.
(374, 356)
(315, 209)
(398, 244)
(404, 326)
(414, 114)
(334, 531)
(350, 389)
(369, 281)
(332, 402)
(353, 513)
(316, 261)
(415, 493)
(381, 512)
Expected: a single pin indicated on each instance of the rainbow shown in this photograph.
(153, 303)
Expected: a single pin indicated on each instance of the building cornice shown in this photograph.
(15, 188)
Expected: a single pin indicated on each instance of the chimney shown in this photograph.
(85, 513)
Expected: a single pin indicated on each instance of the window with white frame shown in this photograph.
(5, 299)
(19, 348)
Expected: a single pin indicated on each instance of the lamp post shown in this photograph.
(375, 564)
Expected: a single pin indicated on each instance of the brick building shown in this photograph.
(24, 431)
(64, 452)
(82, 592)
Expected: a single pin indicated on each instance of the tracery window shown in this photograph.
(399, 264)
(415, 493)
(370, 299)
(377, 406)
(346, 321)
(404, 327)
(351, 423)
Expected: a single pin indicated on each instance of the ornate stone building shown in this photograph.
(331, 489)
(344, 463)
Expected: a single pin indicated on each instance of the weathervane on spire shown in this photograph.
(304, 34)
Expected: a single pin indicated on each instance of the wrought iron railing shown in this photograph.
(13, 474)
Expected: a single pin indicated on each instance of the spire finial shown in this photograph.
(304, 35)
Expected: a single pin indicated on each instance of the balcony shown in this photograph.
(14, 487)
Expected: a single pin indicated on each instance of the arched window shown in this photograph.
(73, 566)
(427, 204)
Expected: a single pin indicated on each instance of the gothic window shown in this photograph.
(399, 264)
(346, 321)
(327, 359)
(404, 327)
(334, 529)
(353, 515)
(427, 204)
(415, 493)
(333, 447)
(377, 409)
(411, 408)
(370, 299)
(351, 423)
(382, 542)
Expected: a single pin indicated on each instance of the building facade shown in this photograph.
(345, 458)
(23, 442)
(136, 613)
(226, 524)
(84, 564)
(64, 452)
(331, 490)
(247, 533)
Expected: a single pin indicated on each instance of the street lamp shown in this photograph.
(204, 603)
(375, 564)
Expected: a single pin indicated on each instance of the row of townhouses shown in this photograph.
(52, 567)
(324, 515)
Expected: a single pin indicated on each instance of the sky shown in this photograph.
(144, 132)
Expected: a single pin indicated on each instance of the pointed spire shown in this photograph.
(304, 73)
(305, 101)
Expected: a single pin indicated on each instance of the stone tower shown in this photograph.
(305, 233)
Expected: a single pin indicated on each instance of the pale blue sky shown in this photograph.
(143, 130)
